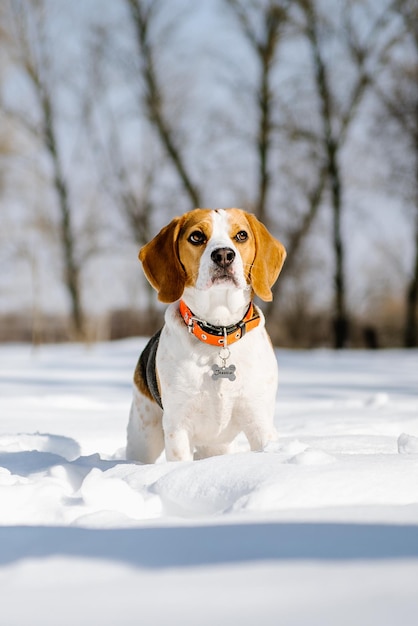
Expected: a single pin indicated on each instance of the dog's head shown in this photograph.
(221, 248)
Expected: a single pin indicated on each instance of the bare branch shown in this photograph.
(361, 54)
(265, 46)
(142, 16)
(36, 68)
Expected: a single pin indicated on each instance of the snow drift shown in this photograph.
(320, 528)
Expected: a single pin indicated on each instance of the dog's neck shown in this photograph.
(218, 306)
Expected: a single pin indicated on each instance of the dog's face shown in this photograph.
(217, 249)
(221, 249)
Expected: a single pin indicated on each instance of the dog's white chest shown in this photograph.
(208, 405)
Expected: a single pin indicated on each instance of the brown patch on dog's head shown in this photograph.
(161, 256)
(270, 255)
(161, 264)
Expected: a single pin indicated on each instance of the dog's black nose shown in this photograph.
(223, 257)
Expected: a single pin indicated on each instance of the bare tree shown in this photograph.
(336, 119)
(399, 97)
(267, 26)
(330, 142)
(143, 16)
(28, 20)
(265, 46)
(282, 20)
(113, 169)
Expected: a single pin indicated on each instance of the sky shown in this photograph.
(374, 221)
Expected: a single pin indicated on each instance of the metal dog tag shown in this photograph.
(224, 371)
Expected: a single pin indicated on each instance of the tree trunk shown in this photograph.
(341, 326)
(411, 325)
(340, 322)
(71, 268)
(264, 139)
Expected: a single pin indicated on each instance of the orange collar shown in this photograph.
(216, 335)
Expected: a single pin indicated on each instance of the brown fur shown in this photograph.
(161, 262)
(270, 255)
(171, 264)
(141, 384)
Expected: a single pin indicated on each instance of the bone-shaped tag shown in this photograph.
(225, 371)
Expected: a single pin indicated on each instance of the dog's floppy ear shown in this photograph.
(270, 255)
(161, 264)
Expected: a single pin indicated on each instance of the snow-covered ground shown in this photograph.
(320, 529)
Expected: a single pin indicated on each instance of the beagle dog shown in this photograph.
(211, 372)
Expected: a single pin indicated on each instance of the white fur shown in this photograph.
(219, 239)
(203, 416)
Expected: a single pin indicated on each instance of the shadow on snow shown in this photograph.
(172, 547)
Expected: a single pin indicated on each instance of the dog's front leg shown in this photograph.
(177, 445)
(258, 437)
(258, 429)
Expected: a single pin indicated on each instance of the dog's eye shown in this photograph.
(197, 238)
(242, 235)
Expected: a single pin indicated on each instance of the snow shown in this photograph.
(319, 529)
